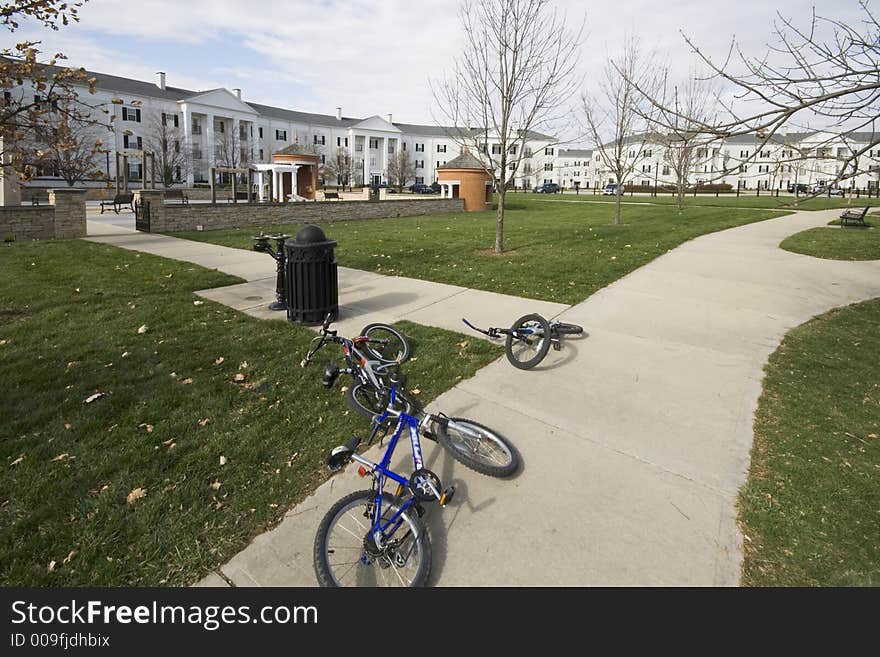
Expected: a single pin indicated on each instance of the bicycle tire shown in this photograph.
(380, 570)
(357, 396)
(466, 450)
(398, 344)
(567, 329)
(513, 343)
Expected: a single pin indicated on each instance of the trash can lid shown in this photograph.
(310, 235)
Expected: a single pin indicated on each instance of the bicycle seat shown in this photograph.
(341, 455)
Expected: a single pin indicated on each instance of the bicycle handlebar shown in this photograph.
(491, 332)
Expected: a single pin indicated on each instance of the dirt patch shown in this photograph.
(491, 252)
(9, 315)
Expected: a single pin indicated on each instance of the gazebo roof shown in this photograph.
(464, 161)
(295, 149)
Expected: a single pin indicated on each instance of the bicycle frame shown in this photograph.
(381, 471)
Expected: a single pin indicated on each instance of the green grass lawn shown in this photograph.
(811, 508)
(557, 251)
(730, 200)
(175, 465)
(850, 243)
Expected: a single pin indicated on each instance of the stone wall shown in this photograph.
(169, 218)
(64, 217)
(27, 223)
(107, 193)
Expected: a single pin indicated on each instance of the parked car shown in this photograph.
(391, 190)
(822, 189)
(611, 189)
(800, 188)
(422, 188)
(549, 188)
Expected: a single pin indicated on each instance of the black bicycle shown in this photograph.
(530, 338)
(367, 357)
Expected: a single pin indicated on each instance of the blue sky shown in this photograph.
(370, 57)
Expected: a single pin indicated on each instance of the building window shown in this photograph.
(260, 132)
(197, 152)
(320, 139)
(390, 147)
(649, 153)
(323, 159)
(512, 150)
(496, 149)
(420, 180)
(131, 114)
(177, 173)
(548, 166)
(548, 151)
(743, 168)
(646, 168)
(665, 170)
(743, 153)
(132, 142)
(261, 153)
(420, 148)
(420, 164)
(441, 148)
(169, 118)
(281, 135)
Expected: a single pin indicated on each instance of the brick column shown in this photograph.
(70, 212)
(156, 199)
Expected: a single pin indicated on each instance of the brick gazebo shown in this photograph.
(466, 177)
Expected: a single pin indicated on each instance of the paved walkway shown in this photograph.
(634, 438)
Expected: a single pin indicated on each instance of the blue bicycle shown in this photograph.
(376, 538)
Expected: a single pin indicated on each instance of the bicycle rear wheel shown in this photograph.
(478, 447)
(567, 329)
(394, 344)
(528, 341)
(368, 402)
(345, 555)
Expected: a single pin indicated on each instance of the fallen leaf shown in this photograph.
(92, 398)
(872, 435)
(2, 342)
(51, 567)
(292, 458)
(243, 365)
(148, 427)
(187, 381)
(198, 303)
(222, 460)
(169, 275)
(61, 457)
(273, 506)
(142, 329)
(463, 344)
(69, 557)
(18, 460)
(416, 391)
(67, 425)
(216, 485)
(136, 494)
(219, 361)
(204, 422)
(125, 354)
(239, 377)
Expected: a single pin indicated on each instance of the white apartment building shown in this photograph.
(219, 127)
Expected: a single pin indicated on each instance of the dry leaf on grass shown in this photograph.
(215, 485)
(135, 495)
(239, 377)
(204, 421)
(69, 557)
(243, 365)
(148, 427)
(51, 567)
(91, 398)
(198, 303)
(125, 354)
(219, 360)
(18, 460)
(186, 381)
(67, 425)
(62, 457)
(222, 460)
(142, 329)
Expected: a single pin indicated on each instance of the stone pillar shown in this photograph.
(70, 212)
(156, 199)
(10, 183)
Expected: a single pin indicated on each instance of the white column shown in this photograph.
(210, 148)
(236, 139)
(188, 144)
(293, 186)
(260, 186)
(279, 192)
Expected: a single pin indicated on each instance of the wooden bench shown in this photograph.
(126, 198)
(331, 196)
(176, 195)
(855, 218)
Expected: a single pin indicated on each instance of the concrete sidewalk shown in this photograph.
(635, 438)
(364, 297)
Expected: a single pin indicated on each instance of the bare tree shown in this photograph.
(165, 139)
(826, 70)
(616, 117)
(514, 75)
(69, 147)
(230, 151)
(401, 168)
(679, 128)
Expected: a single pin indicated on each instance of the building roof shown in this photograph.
(464, 161)
(576, 152)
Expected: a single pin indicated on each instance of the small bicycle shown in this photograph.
(367, 357)
(530, 338)
(375, 538)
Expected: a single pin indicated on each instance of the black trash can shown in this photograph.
(312, 286)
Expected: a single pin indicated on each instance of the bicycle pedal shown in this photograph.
(557, 346)
(447, 496)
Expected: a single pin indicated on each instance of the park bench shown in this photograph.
(125, 198)
(331, 196)
(176, 195)
(854, 217)
(239, 196)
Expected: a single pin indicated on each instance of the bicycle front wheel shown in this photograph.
(478, 447)
(528, 341)
(386, 343)
(345, 555)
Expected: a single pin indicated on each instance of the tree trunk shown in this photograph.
(617, 205)
(499, 223)
(679, 197)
